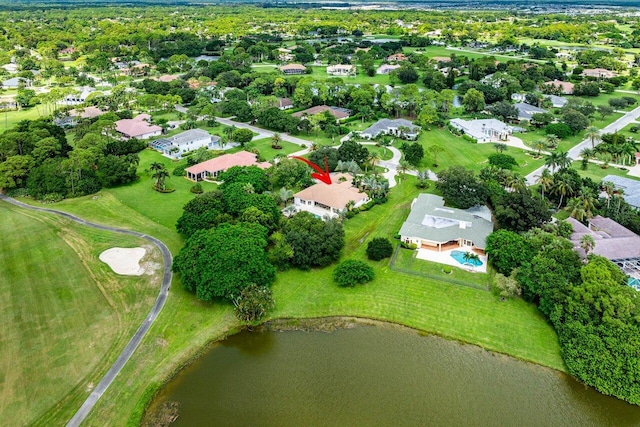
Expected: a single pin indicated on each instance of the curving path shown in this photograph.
(133, 343)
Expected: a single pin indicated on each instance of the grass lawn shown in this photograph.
(268, 153)
(66, 315)
(320, 73)
(187, 325)
(596, 173)
(9, 119)
(459, 151)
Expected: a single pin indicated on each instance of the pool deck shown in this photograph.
(445, 257)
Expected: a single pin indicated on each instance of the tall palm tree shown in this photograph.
(275, 141)
(563, 160)
(374, 158)
(586, 154)
(545, 180)
(593, 134)
(516, 182)
(587, 243)
(551, 160)
(284, 195)
(160, 176)
(609, 188)
(562, 186)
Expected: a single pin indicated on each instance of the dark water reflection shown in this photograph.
(377, 376)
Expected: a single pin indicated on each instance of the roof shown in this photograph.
(336, 195)
(15, 81)
(136, 126)
(189, 136)
(567, 87)
(631, 188)
(337, 67)
(441, 59)
(337, 112)
(166, 78)
(226, 161)
(431, 220)
(526, 111)
(477, 128)
(612, 240)
(557, 101)
(385, 67)
(285, 102)
(87, 113)
(293, 67)
(383, 125)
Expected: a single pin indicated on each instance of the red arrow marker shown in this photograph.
(322, 175)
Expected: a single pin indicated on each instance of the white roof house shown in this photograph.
(386, 68)
(557, 101)
(341, 70)
(399, 127)
(526, 111)
(190, 140)
(79, 97)
(485, 130)
(14, 82)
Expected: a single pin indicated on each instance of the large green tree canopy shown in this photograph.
(220, 262)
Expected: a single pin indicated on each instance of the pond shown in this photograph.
(378, 376)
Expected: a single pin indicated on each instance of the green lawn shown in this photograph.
(66, 315)
(596, 173)
(8, 119)
(459, 151)
(268, 153)
(187, 325)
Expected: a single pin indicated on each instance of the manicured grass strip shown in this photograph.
(65, 314)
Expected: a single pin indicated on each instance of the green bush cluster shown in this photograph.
(353, 272)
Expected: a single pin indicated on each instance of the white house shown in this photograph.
(79, 97)
(341, 70)
(400, 128)
(184, 142)
(485, 130)
(14, 83)
(526, 111)
(330, 200)
(387, 68)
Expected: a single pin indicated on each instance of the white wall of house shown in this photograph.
(190, 146)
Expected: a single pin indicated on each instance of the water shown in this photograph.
(459, 256)
(378, 376)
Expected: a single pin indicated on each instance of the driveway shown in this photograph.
(133, 343)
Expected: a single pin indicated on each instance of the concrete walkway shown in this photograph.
(133, 343)
(574, 152)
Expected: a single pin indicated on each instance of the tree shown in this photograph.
(508, 250)
(331, 155)
(413, 153)
(353, 272)
(587, 243)
(505, 110)
(503, 161)
(14, 171)
(351, 151)
(605, 110)
(160, 174)
(507, 287)
(592, 133)
(276, 139)
(473, 101)
(407, 74)
(575, 120)
(246, 174)
(520, 211)
(461, 188)
(253, 303)
(242, 136)
(379, 248)
(315, 243)
(220, 262)
(434, 150)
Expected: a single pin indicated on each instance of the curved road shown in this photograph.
(133, 343)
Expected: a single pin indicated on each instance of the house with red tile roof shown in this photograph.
(138, 127)
(337, 112)
(293, 69)
(566, 88)
(210, 169)
(330, 199)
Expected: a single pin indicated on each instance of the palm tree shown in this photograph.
(435, 149)
(423, 176)
(545, 180)
(228, 132)
(562, 186)
(563, 160)
(587, 243)
(605, 158)
(471, 258)
(404, 166)
(552, 141)
(586, 154)
(275, 141)
(516, 182)
(341, 166)
(289, 210)
(551, 160)
(160, 176)
(539, 144)
(374, 158)
(500, 147)
(284, 195)
(576, 209)
(155, 167)
(249, 188)
(609, 188)
(593, 134)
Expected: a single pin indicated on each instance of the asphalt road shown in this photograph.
(574, 152)
(133, 343)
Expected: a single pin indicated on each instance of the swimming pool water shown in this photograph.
(459, 256)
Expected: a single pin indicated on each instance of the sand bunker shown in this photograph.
(125, 261)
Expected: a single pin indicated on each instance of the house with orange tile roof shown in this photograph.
(293, 69)
(330, 199)
(210, 169)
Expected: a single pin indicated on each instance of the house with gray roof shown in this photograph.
(618, 244)
(557, 101)
(190, 140)
(630, 188)
(526, 111)
(400, 128)
(485, 130)
(14, 82)
(432, 225)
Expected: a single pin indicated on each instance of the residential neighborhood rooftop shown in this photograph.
(337, 112)
(336, 195)
(630, 187)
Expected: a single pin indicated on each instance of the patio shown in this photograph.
(445, 257)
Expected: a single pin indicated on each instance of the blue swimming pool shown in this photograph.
(459, 256)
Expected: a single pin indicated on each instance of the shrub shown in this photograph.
(352, 272)
(503, 161)
(411, 246)
(618, 103)
(560, 130)
(197, 189)
(179, 171)
(379, 248)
